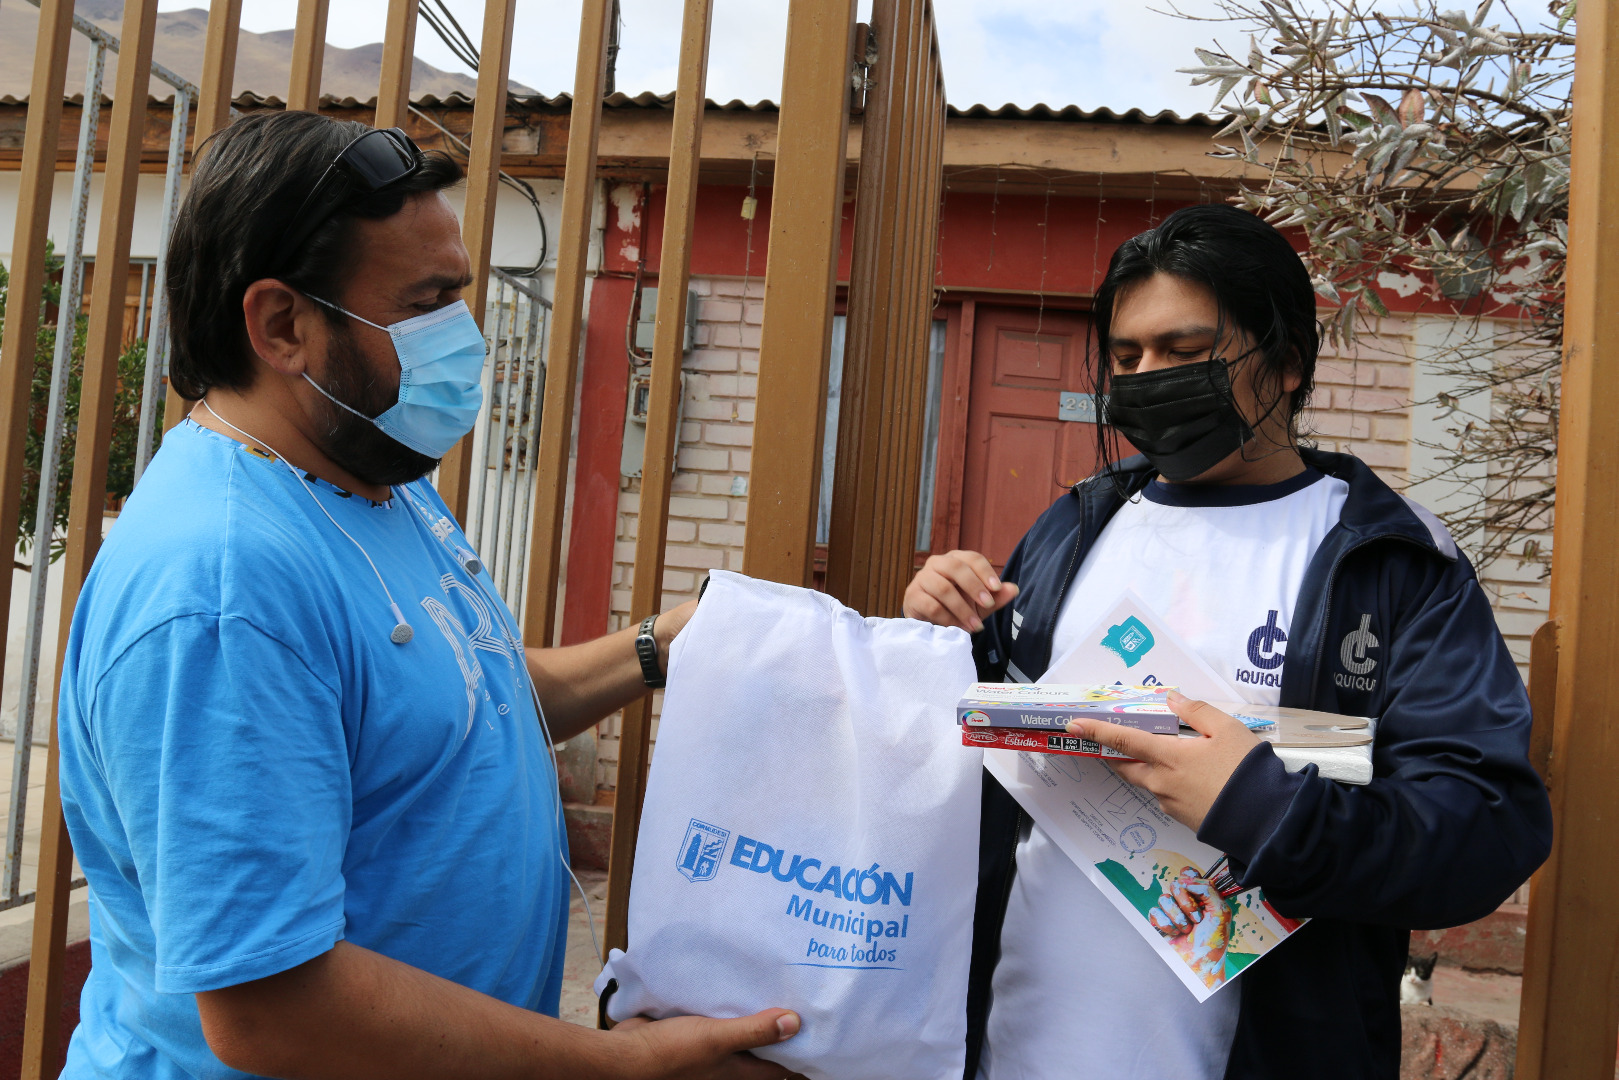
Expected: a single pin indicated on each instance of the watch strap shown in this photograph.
(646, 650)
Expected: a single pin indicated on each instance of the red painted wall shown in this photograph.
(1027, 244)
(604, 387)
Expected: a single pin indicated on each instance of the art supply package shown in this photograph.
(809, 838)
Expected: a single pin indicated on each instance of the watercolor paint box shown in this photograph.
(1052, 705)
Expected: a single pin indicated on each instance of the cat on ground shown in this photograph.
(1416, 985)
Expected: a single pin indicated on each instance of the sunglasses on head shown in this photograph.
(376, 160)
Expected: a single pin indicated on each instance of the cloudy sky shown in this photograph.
(1092, 53)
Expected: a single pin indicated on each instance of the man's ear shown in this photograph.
(282, 325)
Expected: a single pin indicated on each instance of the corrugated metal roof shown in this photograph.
(649, 100)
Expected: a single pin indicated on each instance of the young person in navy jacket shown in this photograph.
(1303, 579)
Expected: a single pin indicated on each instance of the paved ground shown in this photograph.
(581, 967)
(35, 807)
(1492, 997)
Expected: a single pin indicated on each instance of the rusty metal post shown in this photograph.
(567, 314)
(873, 532)
(213, 113)
(398, 58)
(1570, 1012)
(103, 343)
(308, 54)
(878, 243)
(800, 288)
(478, 226)
(657, 468)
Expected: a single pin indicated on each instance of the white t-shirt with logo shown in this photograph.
(1077, 993)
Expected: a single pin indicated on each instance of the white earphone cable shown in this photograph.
(550, 747)
(396, 637)
(402, 625)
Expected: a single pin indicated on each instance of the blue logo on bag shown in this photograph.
(1130, 639)
(701, 850)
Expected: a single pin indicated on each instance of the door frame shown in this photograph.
(955, 399)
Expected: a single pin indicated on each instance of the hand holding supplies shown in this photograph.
(1011, 716)
(1142, 851)
(810, 835)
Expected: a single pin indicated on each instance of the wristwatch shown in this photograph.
(646, 649)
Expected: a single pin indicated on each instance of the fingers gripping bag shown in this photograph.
(809, 837)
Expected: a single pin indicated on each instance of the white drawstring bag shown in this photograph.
(809, 838)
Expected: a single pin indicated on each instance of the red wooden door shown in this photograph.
(1020, 455)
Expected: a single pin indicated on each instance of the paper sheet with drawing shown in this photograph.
(1140, 857)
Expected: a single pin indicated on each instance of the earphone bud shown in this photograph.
(401, 632)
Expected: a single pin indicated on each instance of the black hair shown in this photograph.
(251, 179)
(1260, 287)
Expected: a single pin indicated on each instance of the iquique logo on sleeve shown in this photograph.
(860, 937)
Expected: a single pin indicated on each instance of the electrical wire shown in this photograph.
(459, 41)
(520, 186)
(638, 357)
(522, 666)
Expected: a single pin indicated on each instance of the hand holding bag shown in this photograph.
(809, 838)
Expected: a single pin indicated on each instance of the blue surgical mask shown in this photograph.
(441, 357)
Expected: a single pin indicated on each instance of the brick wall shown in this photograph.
(1362, 405)
(708, 506)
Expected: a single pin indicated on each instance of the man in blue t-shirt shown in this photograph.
(305, 756)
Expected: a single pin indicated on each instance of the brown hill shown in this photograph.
(263, 61)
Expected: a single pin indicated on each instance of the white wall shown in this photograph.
(517, 236)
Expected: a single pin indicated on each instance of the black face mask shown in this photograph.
(1183, 418)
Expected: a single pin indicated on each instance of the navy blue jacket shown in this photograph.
(1390, 622)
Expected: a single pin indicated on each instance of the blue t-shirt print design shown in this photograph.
(252, 770)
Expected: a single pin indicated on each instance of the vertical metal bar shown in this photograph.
(512, 371)
(398, 58)
(1569, 1014)
(663, 411)
(874, 300)
(36, 182)
(477, 494)
(497, 432)
(45, 508)
(522, 460)
(906, 454)
(502, 399)
(483, 182)
(41, 1041)
(500, 552)
(531, 471)
(213, 113)
(567, 324)
(800, 287)
(218, 67)
(884, 400)
(308, 54)
(157, 342)
(146, 295)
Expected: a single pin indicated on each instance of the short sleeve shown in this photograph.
(225, 757)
